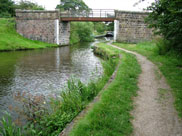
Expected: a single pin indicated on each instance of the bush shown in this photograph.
(164, 46)
(81, 31)
(166, 18)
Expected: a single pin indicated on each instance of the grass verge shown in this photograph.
(169, 64)
(11, 40)
(111, 115)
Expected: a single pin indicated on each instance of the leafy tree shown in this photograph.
(72, 5)
(81, 31)
(100, 27)
(7, 8)
(166, 19)
(27, 5)
(110, 26)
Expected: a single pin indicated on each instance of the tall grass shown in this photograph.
(8, 128)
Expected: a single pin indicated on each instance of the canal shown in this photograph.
(44, 72)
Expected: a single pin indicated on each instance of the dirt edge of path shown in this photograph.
(82, 114)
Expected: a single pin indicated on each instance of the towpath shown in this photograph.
(154, 113)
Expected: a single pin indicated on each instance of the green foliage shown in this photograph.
(7, 8)
(104, 52)
(85, 30)
(8, 128)
(170, 65)
(110, 26)
(111, 115)
(100, 27)
(81, 31)
(166, 18)
(28, 5)
(163, 46)
(11, 40)
(72, 5)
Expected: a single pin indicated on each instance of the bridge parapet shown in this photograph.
(37, 14)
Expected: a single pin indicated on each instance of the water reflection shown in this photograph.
(44, 71)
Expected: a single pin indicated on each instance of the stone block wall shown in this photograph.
(64, 33)
(39, 25)
(131, 27)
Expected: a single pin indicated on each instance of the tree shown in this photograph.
(72, 5)
(166, 19)
(27, 5)
(7, 8)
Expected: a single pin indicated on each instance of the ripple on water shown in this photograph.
(44, 71)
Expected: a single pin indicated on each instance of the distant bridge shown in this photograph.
(54, 26)
(94, 15)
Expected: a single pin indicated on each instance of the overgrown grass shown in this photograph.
(11, 40)
(170, 64)
(104, 52)
(51, 119)
(9, 128)
(111, 115)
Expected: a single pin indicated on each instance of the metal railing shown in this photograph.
(93, 13)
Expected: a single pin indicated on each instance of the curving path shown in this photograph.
(154, 113)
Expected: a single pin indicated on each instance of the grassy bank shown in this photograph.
(111, 115)
(169, 64)
(11, 40)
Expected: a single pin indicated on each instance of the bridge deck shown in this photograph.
(94, 15)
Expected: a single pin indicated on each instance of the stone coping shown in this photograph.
(36, 11)
(135, 12)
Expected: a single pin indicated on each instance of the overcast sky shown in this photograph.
(100, 4)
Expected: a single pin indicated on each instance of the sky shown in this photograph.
(101, 4)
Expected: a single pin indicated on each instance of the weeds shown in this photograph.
(7, 127)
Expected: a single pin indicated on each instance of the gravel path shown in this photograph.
(154, 113)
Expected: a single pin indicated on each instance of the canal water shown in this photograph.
(44, 71)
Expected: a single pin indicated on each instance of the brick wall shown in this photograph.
(131, 27)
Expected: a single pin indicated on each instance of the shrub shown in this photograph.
(166, 18)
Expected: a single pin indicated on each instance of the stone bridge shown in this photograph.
(54, 27)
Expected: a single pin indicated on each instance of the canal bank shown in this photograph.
(75, 96)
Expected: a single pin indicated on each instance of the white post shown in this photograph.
(116, 29)
(57, 31)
